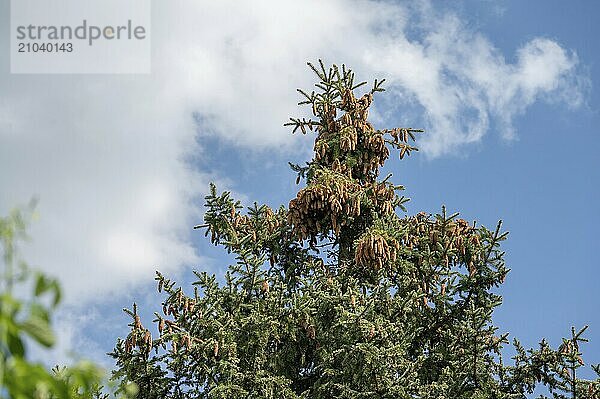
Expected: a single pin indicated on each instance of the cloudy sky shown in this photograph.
(506, 91)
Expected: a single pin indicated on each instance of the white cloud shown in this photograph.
(106, 154)
(105, 159)
(241, 62)
(463, 82)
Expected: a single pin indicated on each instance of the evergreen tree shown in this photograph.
(341, 294)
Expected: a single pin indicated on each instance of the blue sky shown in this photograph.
(506, 91)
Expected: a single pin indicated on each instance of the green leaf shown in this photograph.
(39, 329)
(45, 284)
(15, 345)
(41, 284)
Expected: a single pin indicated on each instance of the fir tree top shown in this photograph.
(339, 295)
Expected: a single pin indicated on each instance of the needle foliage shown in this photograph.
(341, 294)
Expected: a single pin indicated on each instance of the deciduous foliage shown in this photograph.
(29, 319)
(341, 294)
